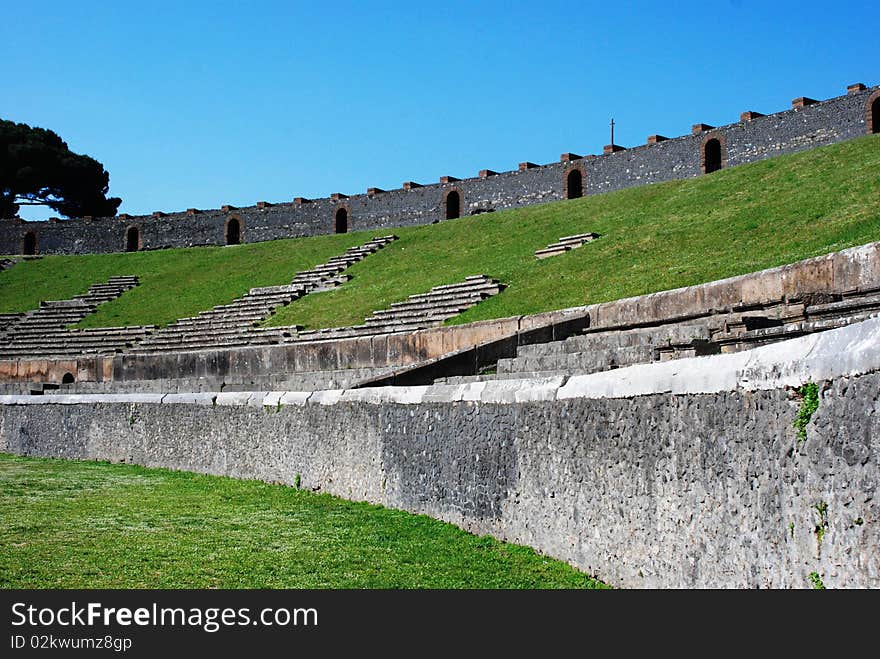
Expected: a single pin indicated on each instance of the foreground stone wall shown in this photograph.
(685, 474)
(753, 138)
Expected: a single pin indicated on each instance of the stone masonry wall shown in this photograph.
(653, 491)
(695, 478)
(749, 140)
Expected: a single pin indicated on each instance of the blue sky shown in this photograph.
(197, 104)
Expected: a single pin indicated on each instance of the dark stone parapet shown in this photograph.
(754, 137)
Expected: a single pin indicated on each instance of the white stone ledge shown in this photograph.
(851, 350)
(847, 351)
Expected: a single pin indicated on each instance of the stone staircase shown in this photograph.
(43, 332)
(730, 330)
(5, 264)
(236, 323)
(565, 244)
(7, 320)
(418, 311)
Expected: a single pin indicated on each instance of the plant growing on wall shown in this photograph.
(810, 403)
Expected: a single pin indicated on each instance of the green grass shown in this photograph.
(68, 524)
(174, 283)
(655, 238)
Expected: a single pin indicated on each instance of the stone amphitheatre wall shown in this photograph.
(806, 125)
(675, 474)
(475, 345)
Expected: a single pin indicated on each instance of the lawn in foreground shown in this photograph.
(75, 524)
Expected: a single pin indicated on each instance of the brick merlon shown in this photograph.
(654, 139)
(523, 166)
(803, 101)
(409, 185)
(486, 173)
(748, 115)
(449, 179)
(699, 128)
(568, 157)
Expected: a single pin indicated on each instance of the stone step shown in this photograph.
(52, 314)
(480, 292)
(48, 319)
(579, 362)
(845, 306)
(286, 289)
(487, 290)
(565, 244)
(229, 314)
(359, 330)
(550, 251)
(218, 320)
(468, 282)
(125, 329)
(428, 318)
(438, 305)
(176, 337)
(69, 305)
(53, 352)
(201, 345)
(771, 334)
(207, 325)
(579, 236)
(245, 305)
(74, 336)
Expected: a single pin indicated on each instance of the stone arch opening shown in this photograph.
(233, 231)
(713, 159)
(452, 203)
(68, 378)
(340, 224)
(29, 244)
(574, 184)
(874, 115)
(132, 239)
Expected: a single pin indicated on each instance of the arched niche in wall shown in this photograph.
(132, 239)
(233, 231)
(452, 204)
(713, 154)
(573, 183)
(872, 113)
(340, 220)
(29, 243)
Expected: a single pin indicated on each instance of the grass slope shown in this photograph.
(94, 525)
(174, 283)
(655, 238)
